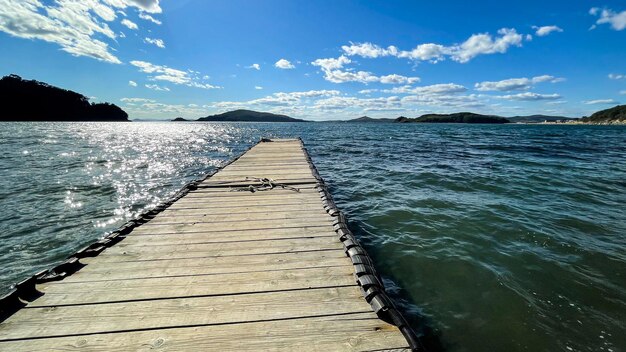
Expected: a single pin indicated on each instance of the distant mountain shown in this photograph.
(459, 117)
(538, 118)
(23, 100)
(249, 116)
(179, 119)
(368, 119)
(614, 115)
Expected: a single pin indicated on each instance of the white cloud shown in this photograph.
(480, 44)
(600, 101)
(477, 44)
(426, 52)
(368, 50)
(151, 6)
(622, 92)
(398, 79)
(280, 99)
(145, 16)
(157, 87)
(369, 104)
(284, 64)
(545, 30)
(164, 73)
(137, 100)
(608, 16)
(333, 73)
(258, 87)
(616, 76)
(132, 83)
(433, 89)
(529, 96)
(130, 24)
(157, 42)
(515, 83)
(74, 25)
(331, 63)
(70, 24)
(255, 66)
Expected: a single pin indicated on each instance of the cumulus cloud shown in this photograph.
(481, 44)
(254, 66)
(333, 72)
(137, 100)
(164, 73)
(545, 30)
(70, 24)
(157, 42)
(433, 89)
(157, 87)
(617, 20)
(132, 83)
(130, 24)
(515, 83)
(369, 104)
(258, 87)
(600, 101)
(145, 16)
(284, 64)
(616, 76)
(530, 96)
(477, 44)
(294, 100)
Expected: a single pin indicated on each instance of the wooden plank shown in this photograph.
(121, 252)
(270, 204)
(227, 236)
(342, 333)
(181, 312)
(172, 213)
(192, 286)
(98, 270)
(216, 219)
(232, 226)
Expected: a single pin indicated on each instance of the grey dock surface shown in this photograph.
(234, 264)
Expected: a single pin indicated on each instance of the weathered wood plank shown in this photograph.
(192, 286)
(232, 226)
(121, 252)
(180, 312)
(354, 332)
(98, 270)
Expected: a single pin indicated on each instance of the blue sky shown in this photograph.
(323, 60)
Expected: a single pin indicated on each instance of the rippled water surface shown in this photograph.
(492, 238)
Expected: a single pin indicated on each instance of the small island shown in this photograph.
(179, 119)
(24, 100)
(459, 117)
(248, 116)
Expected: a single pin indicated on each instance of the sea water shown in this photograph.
(489, 237)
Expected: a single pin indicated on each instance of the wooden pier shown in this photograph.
(255, 258)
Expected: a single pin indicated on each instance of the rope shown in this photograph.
(267, 184)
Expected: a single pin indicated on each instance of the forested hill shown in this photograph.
(24, 100)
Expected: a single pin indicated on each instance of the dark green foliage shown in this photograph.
(248, 116)
(615, 114)
(24, 100)
(459, 117)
